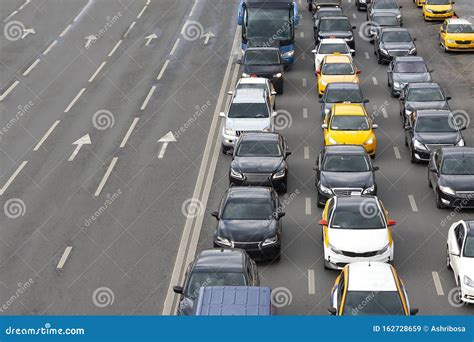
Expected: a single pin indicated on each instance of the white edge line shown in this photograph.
(9, 90)
(129, 132)
(163, 70)
(46, 135)
(64, 257)
(13, 176)
(141, 13)
(74, 100)
(97, 71)
(65, 31)
(50, 47)
(115, 48)
(106, 176)
(192, 9)
(175, 46)
(11, 15)
(150, 93)
(27, 71)
(82, 11)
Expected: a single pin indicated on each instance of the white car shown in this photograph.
(330, 46)
(460, 257)
(256, 83)
(356, 228)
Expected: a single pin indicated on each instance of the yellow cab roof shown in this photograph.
(334, 58)
(356, 109)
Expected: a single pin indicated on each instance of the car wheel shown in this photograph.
(392, 92)
(448, 259)
(439, 204)
(372, 156)
(412, 157)
(429, 180)
(225, 149)
(379, 60)
(319, 201)
(310, 7)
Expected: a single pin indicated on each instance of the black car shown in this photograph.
(335, 27)
(264, 62)
(340, 92)
(344, 170)
(430, 129)
(375, 6)
(215, 267)
(315, 5)
(250, 218)
(417, 96)
(260, 159)
(451, 174)
(326, 12)
(404, 70)
(380, 20)
(393, 42)
(362, 4)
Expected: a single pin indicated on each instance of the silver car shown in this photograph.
(404, 70)
(384, 6)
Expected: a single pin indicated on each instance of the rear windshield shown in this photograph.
(248, 111)
(247, 209)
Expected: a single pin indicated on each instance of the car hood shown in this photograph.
(398, 46)
(247, 230)
(262, 69)
(461, 36)
(256, 164)
(395, 11)
(347, 179)
(438, 137)
(335, 34)
(244, 124)
(351, 137)
(411, 105)
(411, 77)
(358, 240)
(458, 182)
(318, 58)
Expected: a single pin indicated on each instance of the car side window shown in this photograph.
(330, 208)
(444, 27)
(458, 235)
(438, 162)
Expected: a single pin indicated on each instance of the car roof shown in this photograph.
(220, 260)
(246, 191)
(357, 109)
(337, 59)
(394, 29)
(458, 21)
(335, 17)
(343, 149)
(249, 95)
(423, 85)
(457, 151)
(332, 41)
(433, 112)
(371, 276)
(382, 13)
(343, 85)
(409, 59)
(252, 80)
(356, 201)
(259, 136)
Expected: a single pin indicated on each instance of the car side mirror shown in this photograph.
(448, 98)
(280, 215)
(332, 311)
(414, 39)
(414, 311)
(392, 223)
(430, 71)
(222, 114)
(376, 168)
(400, 6)
(287, 154)
(462, 128)
(239, 61)
(274, 114)
(215, 214)
(321, 101)
(323, 222)
(178, 289)
(318, 72)
(353, 52)
(366, 101)
(354, 27)
(401, 97)
(375, 126)
(274, 92)
(324, 126)
(406, 127)
(230, 92)
(358, 72)
(314, 51)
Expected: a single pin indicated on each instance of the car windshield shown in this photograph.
(396, 37)
(349, 123)
(386, 20)
(337, 69)
(259, 149)
(365, 215)
(262, 57)
(331, 24)
(321, 14)
(438, 2)
(460, 28)
(199, 279)
(410, 67)
(425, 95)
(247, 209)
(436, 124)
(343, 95)
(345, 163)
(469, 247)
(364, 303)
(385, 4)
(266, 23)
(328, 49)
(458, 165)
(248, 111)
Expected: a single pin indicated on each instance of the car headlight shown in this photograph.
(279, 174)
(288, 54)
(412, 51)
(223, 241)
(369, 190)
(429, 10)
(325, 189)
(326, 111)
(278, 75)
(384, 250)
(399, 16)
(369, 141)
(236, 174)
(384, 51)
(447, 190)
(270, 241)
(244, 74)
(334, 249)
(349, 39)
(468, 281)
(229, 131)
(332, 141)
(418, 145)
(397, 85)
(460, 143)
(324, 83)
(450, 41)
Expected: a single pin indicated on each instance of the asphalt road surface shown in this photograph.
(110, 161)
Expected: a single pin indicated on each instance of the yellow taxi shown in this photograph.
(457, 34)
(349, 123)
(419, 3)
(336, 68)
(438, 9)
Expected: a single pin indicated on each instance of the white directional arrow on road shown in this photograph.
(208, 36)
(166, 139)
(149, 38)
(85, 140)
(26, 32)
(90, 39)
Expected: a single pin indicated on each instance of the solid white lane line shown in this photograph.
(302, 34)
(64, 257)
(148, 97)
(193, 8)
(46, 135)
(304, 82)
(12, 177)
(375, 81)
(9, 90)
(129, 29)
(65, 30)
(141, 13)
(311, 283)
(31, 67)
(115, 48)
(50, 47)
(367, 56)
(305, 113)
(175, 46)
(397, 152)
(106, 176)
(11, 15)
(411, 198)
(437, 282)
(129, 132)
(307, 205)
(160, 75)
(306, 152)
(97, 71)
(74, 100)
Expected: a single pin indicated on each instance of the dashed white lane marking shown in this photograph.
(437, 282)
(397, 152)
(175, 46)
(384, 112)
(46, 135)
(141, 13)
(65, 31)
(354, 16)
(9, 90)
(74, 100)
(302, 34)
(12, 177)
(148, 97)
(367, 56)
(374, 79)
(24, 4)
(307, 205)
(160, 75)
(11, 15)
(115, 48)
(50, 47)
(82, 11)
(129, 29)
(305, 113)
(31, 67)
(193, 8)
(304, 82)
(97, 71)
(411, 198)
(306, 152)
(311, 283)
(129, 132)
(64, 257)
(106, 176)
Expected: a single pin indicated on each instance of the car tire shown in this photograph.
(406, 141)
(372, 156)
(448, 259)
(225, 149)
(392, 92)
(319, 202)
(326, 267)
(412, 157)
(429, 180)
(439, 204)
(310, 7)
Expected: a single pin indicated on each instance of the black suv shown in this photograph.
(393, 42)
(335, 27)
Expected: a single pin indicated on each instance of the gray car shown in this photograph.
(384, 6)
(404, 70)
(340, 92)
(393, 42)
